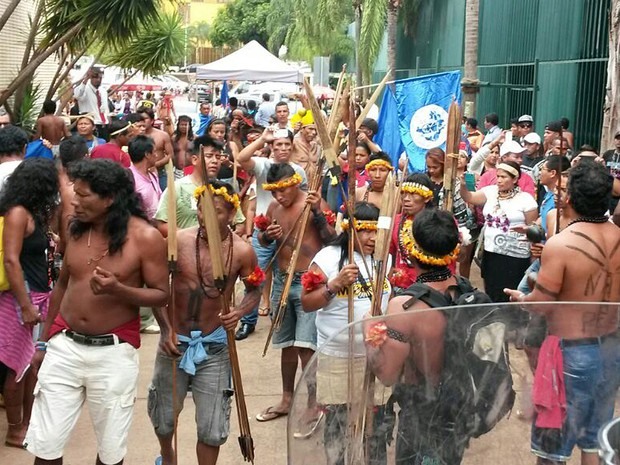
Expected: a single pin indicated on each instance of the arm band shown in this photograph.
(396, 335)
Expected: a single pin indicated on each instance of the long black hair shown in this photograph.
(110, 180)
(190, 131)
(364, 211)
(34, 186)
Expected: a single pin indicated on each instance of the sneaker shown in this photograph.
(151, 329)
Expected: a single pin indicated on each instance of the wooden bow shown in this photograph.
(212, 230)
(453, 141)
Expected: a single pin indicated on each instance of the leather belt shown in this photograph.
(86, 340)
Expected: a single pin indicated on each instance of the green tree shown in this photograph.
(67, 28)
(240, 22)
(310, 28)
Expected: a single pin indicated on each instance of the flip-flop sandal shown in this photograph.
(317, 422)
(263, 311)
(269, 415)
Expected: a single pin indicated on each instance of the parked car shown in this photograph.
(200, 92)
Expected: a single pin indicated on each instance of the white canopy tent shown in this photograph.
(252, 62)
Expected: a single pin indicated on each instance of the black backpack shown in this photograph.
(476, 383)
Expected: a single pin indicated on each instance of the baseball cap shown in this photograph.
(510, 147)
(554, 126)
(525, 119)
(532, 138)
(371, 124)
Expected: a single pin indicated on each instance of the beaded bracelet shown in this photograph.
(41, 346)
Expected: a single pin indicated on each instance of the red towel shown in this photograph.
(549, 393)
(128, 332)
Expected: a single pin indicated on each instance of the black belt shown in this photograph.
(587, 341)
(105, 340)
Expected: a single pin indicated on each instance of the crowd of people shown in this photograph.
(85, 269)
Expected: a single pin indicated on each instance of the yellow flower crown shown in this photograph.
(415, 251)
(375, 163)
(220, 192)
(283, 183)
(359, 225)
(415, 188)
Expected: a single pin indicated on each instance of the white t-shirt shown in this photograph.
(263, 197)
(501, 217)
(333, 318)
(6, 169)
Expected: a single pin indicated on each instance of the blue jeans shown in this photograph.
(263, 254)
(533, 268)
(591, 379)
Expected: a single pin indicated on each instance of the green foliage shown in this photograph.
(153, 48)
(240, 22)
(374, 13)
(114, 21)
(26, 114)
(310, 28)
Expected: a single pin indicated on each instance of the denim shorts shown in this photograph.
(211, 391)
(298, 328)
(591, 379)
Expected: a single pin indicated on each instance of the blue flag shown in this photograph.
(224, 94)
(421, 117)
(388, 136)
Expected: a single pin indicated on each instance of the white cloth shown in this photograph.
(333, 318)
(6, 169)
(498, 236)
(86, 96)
(263, 197)
(106, 378)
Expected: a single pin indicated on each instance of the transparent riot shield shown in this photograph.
(484, 384)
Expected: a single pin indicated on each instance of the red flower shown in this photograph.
(310, 280)
(330, 216)
(400, 278)
(256, 278)
(261, 222)
(376, 335)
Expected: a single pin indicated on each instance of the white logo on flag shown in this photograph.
(429, 126)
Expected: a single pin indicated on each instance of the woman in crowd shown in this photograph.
(325, 291)
(27, 204)
(85, 126)
(506, 252)
(416, 194)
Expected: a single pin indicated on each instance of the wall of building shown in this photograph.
(13, 38)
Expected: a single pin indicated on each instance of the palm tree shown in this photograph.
(470, 65)
(198, 35)
(73, 24)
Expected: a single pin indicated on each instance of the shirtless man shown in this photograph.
(92, 328)
(297, 334)
(197, 316)
(182, 143)
(305, 148)
(581, 264)
(51, 127)
(166, 112)
(410, 354)
(377, 169)
(71, 150)
(163, 145)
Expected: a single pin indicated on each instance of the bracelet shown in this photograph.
(266, 238)
(328, 293)
(40, 346)
(319, 219)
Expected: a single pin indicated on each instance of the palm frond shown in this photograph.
(154, 48)
(409, 10)
(28, 111)
(371, 34)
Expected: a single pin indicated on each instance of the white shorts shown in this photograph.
(105, 377)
